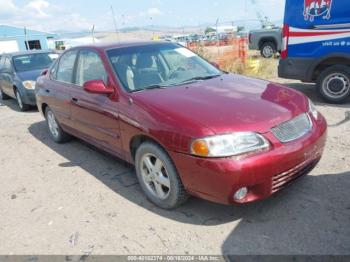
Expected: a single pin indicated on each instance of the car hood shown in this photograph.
(228, 104)
(29, 75)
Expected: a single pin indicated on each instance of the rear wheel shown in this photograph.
(56, 132)
(158, 177)
(3, 96)
(334, 84)
(268, 49)
(22, 106)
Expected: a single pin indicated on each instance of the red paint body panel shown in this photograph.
(218, 179)
(175, 116)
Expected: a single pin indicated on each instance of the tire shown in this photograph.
(56, 132)
(163, 176)
(3, 96)
(268, 50)
(22, 106)
(333, 84)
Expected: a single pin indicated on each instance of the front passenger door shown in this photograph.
(95, 116)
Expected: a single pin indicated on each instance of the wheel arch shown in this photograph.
(328, 61)
(268, 39)
(137, 140)
(43, 108)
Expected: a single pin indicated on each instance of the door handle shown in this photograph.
(75, 99)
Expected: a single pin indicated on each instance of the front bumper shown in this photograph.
(28, 97)
(263, 174)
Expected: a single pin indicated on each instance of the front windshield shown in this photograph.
(33, 61)
(158, 65)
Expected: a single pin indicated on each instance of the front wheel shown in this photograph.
(158, 177)
(268, 50)
(56, 132)
(22, 106)
(334, 84)
(3, 96)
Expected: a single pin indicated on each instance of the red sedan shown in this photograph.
(189, 128)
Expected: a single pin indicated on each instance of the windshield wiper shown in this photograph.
(197, 78)
(157, 86)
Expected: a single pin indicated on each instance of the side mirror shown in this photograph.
(97, 87)
(44, 72)
(215, 64)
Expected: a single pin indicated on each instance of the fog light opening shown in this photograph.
(240, 194)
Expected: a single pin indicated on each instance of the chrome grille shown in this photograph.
(293, 129)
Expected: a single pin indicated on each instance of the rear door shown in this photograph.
(317, 27)
(95, 116)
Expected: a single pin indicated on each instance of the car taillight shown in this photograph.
(285, 39)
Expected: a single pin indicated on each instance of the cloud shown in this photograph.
(39, 7)
(41, 15)
(7, 7)
(154, 11)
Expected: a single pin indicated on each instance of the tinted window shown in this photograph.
(66, 67)
(90, 67)
(33, 61)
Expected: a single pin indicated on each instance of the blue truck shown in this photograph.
(316, 46)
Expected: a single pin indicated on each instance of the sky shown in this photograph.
(80, 15)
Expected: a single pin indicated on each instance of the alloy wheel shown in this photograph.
(155, 176)
(19, 100)
(53, 126)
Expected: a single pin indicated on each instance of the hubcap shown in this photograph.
(336, 85)
(268, 51)
(53, 126)
(155, 176)
(19, 100)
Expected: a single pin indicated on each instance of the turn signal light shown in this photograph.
(200, 148)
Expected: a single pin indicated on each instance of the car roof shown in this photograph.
(29, 52)
(113, 45)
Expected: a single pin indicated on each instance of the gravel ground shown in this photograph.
(74, 199)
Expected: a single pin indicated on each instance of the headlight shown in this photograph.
(29, 84)
(229, 145)
(313, 110)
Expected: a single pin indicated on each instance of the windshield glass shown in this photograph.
(33, 61)
(158, 65)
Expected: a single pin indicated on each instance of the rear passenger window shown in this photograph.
(66, 67)
(90, 67)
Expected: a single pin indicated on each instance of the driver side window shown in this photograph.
(90, 67)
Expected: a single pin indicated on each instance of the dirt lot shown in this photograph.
(74, 199)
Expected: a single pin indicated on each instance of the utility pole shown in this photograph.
(92, 33)
(25, 38)
(115, 22)
(217, 35)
